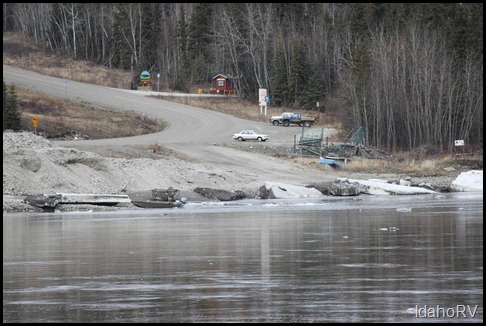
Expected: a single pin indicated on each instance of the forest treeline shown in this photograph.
(410, 73)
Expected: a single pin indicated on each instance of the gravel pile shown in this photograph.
(14, 140)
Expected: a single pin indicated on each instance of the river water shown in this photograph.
(353, 259)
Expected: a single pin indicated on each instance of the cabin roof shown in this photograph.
(221, 75)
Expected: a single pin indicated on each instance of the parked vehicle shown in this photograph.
(288, 118)
(250, 135)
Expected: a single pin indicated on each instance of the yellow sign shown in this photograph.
(35, 122)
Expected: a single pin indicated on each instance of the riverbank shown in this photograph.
(32, 165)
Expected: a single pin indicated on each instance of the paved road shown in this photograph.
(192, 131)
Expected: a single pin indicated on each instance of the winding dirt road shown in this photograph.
(192, 131)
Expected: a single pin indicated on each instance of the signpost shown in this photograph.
(263, 99)
(145, 78)
(158, 82)
(459, 143)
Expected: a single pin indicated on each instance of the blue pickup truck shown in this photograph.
(288, 118)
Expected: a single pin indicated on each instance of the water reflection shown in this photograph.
(342, 261)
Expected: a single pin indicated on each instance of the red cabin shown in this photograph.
(222, 85)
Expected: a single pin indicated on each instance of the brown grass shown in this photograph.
(249, 110)
(21, 51)
(230, 105)
(406, 166)
(434, 165)
(60, 118)
(430, 167)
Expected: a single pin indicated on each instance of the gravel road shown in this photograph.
(192, 131)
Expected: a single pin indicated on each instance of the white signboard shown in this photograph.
(459, 142)
(262, 93)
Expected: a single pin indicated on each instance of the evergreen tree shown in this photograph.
(151, 29)
(316, 89)
(199, 30)
(122, 55)
(200, 42)
(183, 61)
(11, 111)
(299, 77)
(279, 89)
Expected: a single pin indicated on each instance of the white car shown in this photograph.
(249, 135)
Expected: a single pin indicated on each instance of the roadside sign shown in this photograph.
(459, 142)
(262, 93)
(262, 100)
(145, 75)
(35, 122)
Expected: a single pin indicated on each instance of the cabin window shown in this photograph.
(220, 82)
